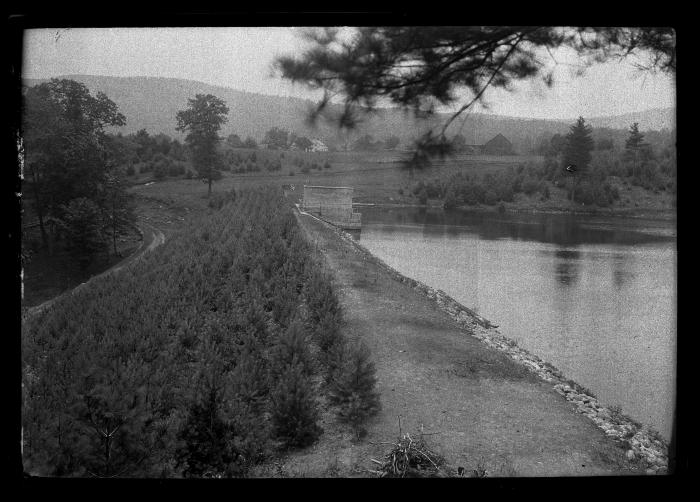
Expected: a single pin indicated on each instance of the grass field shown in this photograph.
(378, 177)
(375, 176)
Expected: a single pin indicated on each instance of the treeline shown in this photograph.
(367, 143)
(241, 161)
(158, 154)
(202, 359)
(590, 172)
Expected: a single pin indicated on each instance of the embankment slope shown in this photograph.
(479, 406)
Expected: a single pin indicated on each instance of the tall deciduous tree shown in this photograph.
(419, 68)
(64, 143)
(202, 120)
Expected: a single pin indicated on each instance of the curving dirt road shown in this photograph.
(152, 238)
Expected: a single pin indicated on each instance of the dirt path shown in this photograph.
(480, 406)
(152, 238)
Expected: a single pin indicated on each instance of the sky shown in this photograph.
(241, 58)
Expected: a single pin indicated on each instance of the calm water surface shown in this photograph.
(594, 296)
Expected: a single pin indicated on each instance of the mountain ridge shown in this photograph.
(151, 103)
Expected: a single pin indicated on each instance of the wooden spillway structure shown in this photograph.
(331, 204)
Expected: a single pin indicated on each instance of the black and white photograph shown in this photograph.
(346, 250)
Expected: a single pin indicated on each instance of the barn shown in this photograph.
(498, 145)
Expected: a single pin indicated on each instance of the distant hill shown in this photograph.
(655, 119)
(152, 103)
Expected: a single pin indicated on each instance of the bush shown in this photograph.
(305, 170)
(291, 348)
(423, 196)
(450, 201)
(490, 197)
(327, 165)
(206, 446)
(530, 186)
(130, 171)
(291, 173)
(544, 189)
(177, 168)
(353, 387)
(160, 168)
(293, 409)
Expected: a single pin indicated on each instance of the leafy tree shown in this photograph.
(81, 224)
(117, 207)
(234, 141)
(391, 142)
(277, 139)
(557, 145)
(365, 143)
(65, 145)
(419, 68)
(303, 143)
(250, 143)
(202, 120)
(605, 144)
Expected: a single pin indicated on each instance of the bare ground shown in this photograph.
(480, 407)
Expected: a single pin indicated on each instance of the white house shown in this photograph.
(318, 146)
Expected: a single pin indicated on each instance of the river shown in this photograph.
(594, 296)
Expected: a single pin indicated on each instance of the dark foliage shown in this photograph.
(206, 339)
(419, 67)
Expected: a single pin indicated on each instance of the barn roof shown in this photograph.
(499, 141)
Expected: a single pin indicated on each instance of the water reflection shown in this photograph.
(566, 266)
(561, 229)
(593, 296)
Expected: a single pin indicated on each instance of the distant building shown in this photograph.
(498, 145)
(318, 146)
(331, 204)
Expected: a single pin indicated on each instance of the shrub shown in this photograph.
(160, 168)
(450, 199)
(305, 169)
(544, 189)
(291, 173)
(293, 409)
(291, 348)
(353, 387)
(490, 197)
(176, 169)
(130, 171)
(206, 448)
(327, 165)
(530, 186)
(423, 196)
